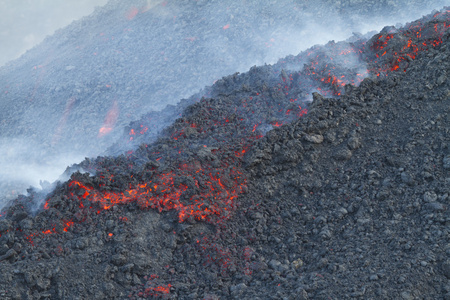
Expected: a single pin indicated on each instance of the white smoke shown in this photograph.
(25, 23)
(21, 168)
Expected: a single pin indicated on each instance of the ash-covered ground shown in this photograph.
(255, 193)
(70, 97)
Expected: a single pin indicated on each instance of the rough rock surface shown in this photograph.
(239, 200)
(73, 94)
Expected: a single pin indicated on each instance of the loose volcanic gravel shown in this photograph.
(323, 176)
(71, 96)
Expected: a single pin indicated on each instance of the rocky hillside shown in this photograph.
(72, 95)
(255, 194)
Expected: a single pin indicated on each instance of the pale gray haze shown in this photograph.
(25, 23)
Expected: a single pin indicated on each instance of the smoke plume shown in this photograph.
(72, 95)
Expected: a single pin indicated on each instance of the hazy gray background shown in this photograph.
(25, 23)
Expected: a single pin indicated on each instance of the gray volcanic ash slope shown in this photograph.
(247, 197)
(70, 96)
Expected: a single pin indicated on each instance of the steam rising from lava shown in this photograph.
(321, 22)
(17, 170)
(20, 158)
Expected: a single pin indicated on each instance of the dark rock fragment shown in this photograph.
(237, 290)
(342, 154)
(435, 206)
(354, 143)
(118, 259)
(313, 138)
(446, 162)
(430, 196)
(446, 268)
(10, 253)
(407, 178)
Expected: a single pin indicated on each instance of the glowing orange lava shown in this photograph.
(132, 13)
(166, 193)
(110, 120)
(62, 122)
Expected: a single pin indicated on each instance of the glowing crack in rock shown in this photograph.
(213, 196)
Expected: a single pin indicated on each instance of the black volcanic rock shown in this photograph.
(72, 95)
(245, 196)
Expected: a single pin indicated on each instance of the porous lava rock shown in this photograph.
(239, 199)
(70, 96)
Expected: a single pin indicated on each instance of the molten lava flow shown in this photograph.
(209, 195)
(302, 112)
(153, 287)
(63, 227)
(382, 42)
(405, 44)
(68, 225)
(62, 122)
(204, 184)
(110, 120)
(132, 13)
(132, 134)
(327, 69)
(143, 130)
